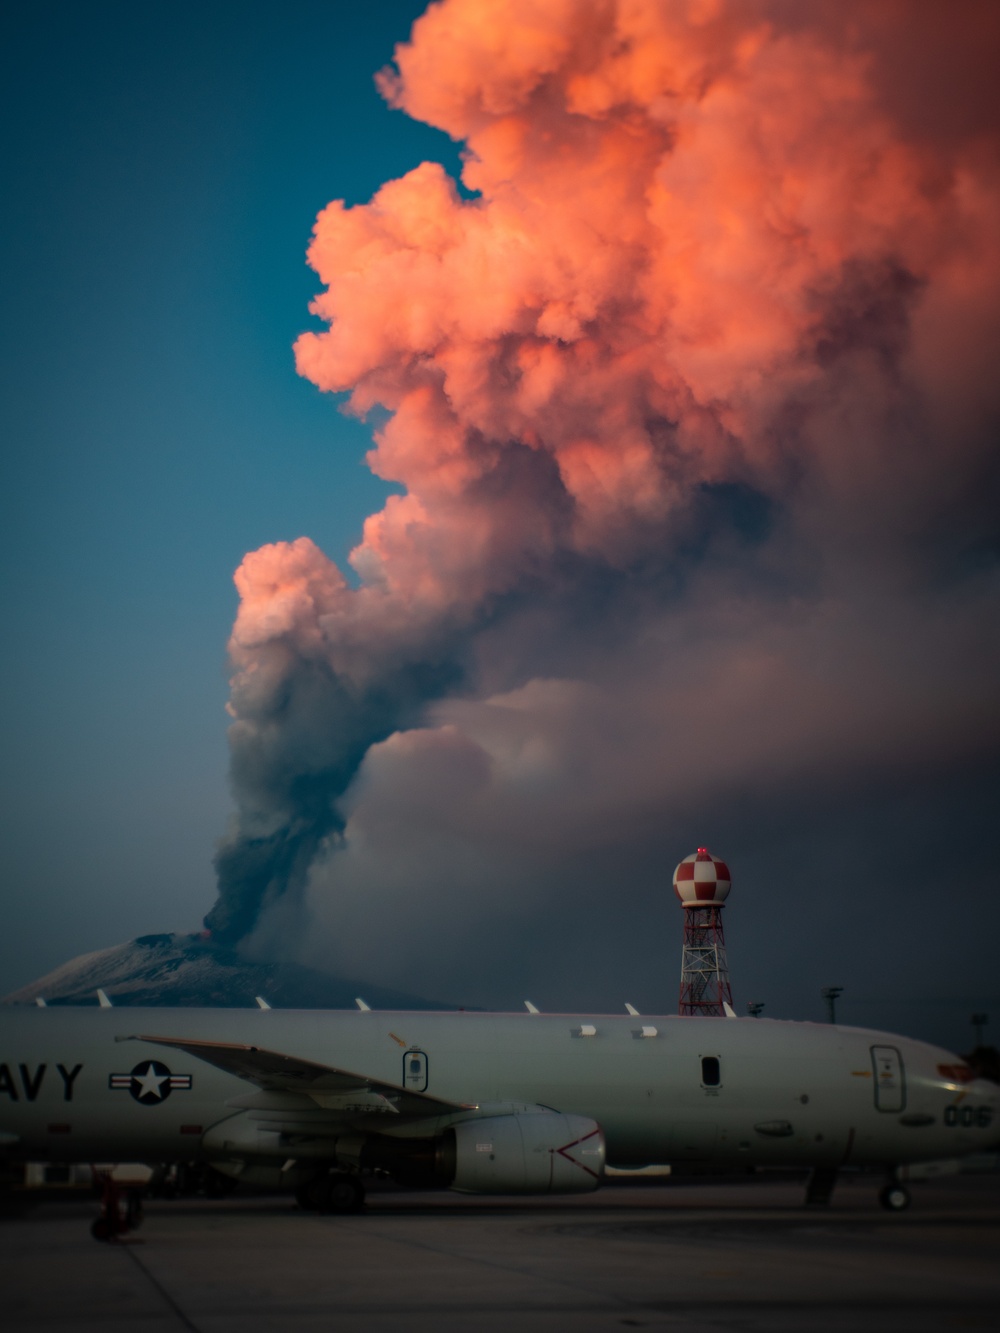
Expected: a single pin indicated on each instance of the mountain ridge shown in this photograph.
(191, 971)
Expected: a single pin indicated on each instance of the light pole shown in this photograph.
(831, 994)
(979, 1022)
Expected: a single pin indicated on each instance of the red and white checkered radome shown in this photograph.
(702, 879)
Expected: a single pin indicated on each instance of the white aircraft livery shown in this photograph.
(477, 1102)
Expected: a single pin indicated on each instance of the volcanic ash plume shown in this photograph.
(684, 389)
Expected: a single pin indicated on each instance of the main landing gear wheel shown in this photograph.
(307, 1196)
(338, 1192)
(895, 1197)
(343, 1194)
(217, 1184)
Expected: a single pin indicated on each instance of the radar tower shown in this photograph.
(702, 883)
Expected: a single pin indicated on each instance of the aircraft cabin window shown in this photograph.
(710, 1075)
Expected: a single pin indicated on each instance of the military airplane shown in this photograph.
(489, 1103)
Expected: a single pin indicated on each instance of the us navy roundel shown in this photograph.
(149, 1082)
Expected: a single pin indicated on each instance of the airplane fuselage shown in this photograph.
(663, 1089)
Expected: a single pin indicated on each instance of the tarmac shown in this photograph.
(733, 1255)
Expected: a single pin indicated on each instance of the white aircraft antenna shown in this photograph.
(630, 1009)
(728, 1010)
(40, 1002)
(530, 1007)
(103, 1000)
(261, 1002)
(365, 1008)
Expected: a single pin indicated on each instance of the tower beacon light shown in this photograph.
(702, 883)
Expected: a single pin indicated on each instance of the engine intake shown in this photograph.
(547, 1153)
(542, 1152)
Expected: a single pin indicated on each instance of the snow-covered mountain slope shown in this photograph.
(190, 970)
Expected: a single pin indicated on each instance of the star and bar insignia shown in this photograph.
(150, 1082)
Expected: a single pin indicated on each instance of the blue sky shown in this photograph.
(164, 165)
(163, 168)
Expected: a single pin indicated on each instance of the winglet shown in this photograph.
(365, 1008)
(530, 1007)
(728, 1010)
(630, 1009)
(261, 1002)
(103, 1000)
(40, 1002)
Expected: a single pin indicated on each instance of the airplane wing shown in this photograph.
(330, 1088)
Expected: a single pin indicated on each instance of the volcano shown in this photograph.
(191, 970)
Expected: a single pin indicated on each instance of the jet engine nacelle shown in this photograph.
(538, 1153)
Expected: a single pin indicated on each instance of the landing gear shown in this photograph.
(333, 1192)
(217, 1185)
(343, 1194)
(819, 1190)
(895, 1197)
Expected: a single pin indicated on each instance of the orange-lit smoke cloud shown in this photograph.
(703, 253)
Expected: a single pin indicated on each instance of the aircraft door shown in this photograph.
(415, 1071)
(890, 1081)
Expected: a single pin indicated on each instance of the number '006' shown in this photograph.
(967, 1116)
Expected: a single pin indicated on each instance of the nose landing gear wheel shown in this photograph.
(895, 1198)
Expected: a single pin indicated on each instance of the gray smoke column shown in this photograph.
(320, 676)
(705, 360)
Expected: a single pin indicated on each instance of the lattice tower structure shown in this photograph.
(702, 883)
